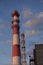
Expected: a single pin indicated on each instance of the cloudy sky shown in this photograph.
(31, 24)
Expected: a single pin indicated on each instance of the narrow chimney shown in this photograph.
(16, 59)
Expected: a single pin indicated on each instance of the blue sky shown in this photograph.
(31, 23)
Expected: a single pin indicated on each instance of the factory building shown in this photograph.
(38, 54)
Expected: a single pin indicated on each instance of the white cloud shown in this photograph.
(32, 32)
(41, 1)
(27, 13)
(40, 15)
(37, 21)
(31, 23)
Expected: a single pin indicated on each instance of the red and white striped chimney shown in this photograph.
(16, 59)
(23, 49)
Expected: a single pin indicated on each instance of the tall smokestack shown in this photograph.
(16, 60)
(23, 50)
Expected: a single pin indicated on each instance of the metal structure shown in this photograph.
(31, 60)
(16, 59)
(23, 51)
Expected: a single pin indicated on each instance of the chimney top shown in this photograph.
(22, 35)
(15, 13)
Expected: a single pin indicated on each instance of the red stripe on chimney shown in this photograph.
(16, 50)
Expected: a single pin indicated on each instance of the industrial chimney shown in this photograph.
(23, 49)
(16, 59)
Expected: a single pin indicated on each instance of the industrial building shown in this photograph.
(38, 54)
